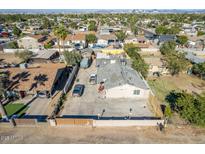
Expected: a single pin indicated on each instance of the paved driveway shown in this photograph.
(92, 104)
(38, 107)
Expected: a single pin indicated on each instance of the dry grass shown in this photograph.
(103, 135)
(163, 85)
(9, 58)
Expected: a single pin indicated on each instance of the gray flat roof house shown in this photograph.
(166, 38)
(121, 81)
(45, 56)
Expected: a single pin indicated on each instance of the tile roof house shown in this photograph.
(140, 42)
(77, 37)
(36, 78)
(106, 40)
(121, 81)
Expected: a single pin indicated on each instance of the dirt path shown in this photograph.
(101, 135)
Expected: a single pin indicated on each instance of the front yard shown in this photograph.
(15, 109)
(163, 85)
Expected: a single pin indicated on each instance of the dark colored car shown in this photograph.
(78, 90)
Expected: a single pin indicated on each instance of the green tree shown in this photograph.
(176, 62)
(182, 40)
(92, 26)
(199, 69)
(161, 30)
(121, 35)
(46, 23)
(13, 45)
(132, 50)
(133, 26)
(191, 107)
(61, 33)
(168, 111)
(72, 58)
(138, 62)
(48, 46)
(164, 30)
(17, 31)
(91, 38)
(200, 33)
(173, 30)
(24, 55)
(73, 25)
(168, 47)
(140, 66)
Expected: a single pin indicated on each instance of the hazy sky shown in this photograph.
(102, 4)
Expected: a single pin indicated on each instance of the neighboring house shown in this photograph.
(76, 38)
(131, 39)
(106, 40)
(45, 56)
(194, 58)
(32, 42)
(148, 33)
(4, 40)
(33, 28)
(189, 29)
(106, 30)
(165, 38)
(87, 53)
(30, 80)
(83, 28)
(156, 66)
(121, 81)
(140, 42)
(197, 42)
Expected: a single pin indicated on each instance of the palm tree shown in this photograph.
(61, 34)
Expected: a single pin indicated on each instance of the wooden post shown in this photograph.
(3, 111)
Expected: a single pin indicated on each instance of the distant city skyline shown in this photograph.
(70, 11)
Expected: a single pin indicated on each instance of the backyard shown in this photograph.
(163, 85)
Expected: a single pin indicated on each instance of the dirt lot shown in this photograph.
(9, 58)
(163, 85)
(92, 103)
(101, 135)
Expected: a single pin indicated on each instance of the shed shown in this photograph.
(85, 62)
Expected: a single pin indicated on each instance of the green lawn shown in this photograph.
(18, 109)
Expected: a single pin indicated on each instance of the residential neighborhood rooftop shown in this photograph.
(27, 77)
(118, 75)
